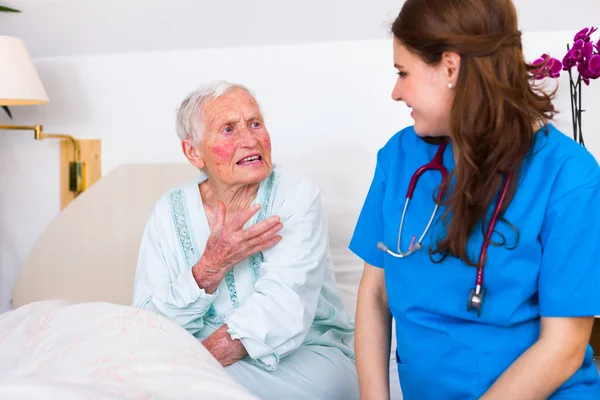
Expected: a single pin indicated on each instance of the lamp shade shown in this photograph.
(19, 80)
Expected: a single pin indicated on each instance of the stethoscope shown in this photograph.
(476, 294)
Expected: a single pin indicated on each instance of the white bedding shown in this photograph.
(54, 350)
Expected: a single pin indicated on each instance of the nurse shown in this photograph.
(521, 330)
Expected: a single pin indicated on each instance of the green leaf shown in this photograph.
(7, 110)
(8, 9)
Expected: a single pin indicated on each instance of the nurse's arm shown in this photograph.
(372, 335)
(545, 366)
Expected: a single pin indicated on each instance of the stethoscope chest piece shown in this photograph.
(476, 300)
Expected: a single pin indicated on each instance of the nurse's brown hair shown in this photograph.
(495, 107)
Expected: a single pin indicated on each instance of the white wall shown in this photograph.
(117, 26)
(318, 99)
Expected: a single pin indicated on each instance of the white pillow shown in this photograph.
(54, 350)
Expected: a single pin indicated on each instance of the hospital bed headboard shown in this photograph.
(89, 252)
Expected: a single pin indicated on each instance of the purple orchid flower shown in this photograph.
(568, 62)
(585, 34)
(588, 50)
(548, 67)
(576, 52)
(583, 55)
(583, 70)
(594, 66)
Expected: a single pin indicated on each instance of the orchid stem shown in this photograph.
(579, 111)
(573, 95)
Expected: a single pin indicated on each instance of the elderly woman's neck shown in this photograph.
(236, 198)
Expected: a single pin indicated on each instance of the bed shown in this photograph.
(53, 349)
(77, 284)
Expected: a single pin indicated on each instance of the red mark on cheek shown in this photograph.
(266, 142)
(223, 153)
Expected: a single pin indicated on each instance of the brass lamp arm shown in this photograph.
(77, 174)
(76, 151)
(39, 135)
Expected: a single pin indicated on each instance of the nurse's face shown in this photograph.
(424, 89)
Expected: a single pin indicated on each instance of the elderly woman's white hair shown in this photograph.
(189, 119)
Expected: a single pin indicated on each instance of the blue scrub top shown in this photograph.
(443, 350)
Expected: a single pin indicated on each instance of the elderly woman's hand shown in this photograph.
(229, 243)
(221, 346)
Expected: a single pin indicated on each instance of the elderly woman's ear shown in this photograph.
(192, 153)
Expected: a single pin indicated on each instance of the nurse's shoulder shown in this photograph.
(565, 164)
(399, 148)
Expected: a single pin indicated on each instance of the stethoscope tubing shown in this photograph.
(436, 163)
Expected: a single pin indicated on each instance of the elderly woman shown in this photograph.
(239, 257)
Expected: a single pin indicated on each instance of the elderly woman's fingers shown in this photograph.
(262, 227)
(265, 237)
(266, 244)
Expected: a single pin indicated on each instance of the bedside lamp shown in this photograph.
(19, 81)
(20, 85)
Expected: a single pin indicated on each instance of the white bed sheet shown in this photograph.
(54, 350)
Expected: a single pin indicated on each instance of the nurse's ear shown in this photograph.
(450, 64)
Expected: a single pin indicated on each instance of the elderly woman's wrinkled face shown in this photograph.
(236, 147)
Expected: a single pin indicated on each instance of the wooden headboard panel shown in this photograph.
(89, 252)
